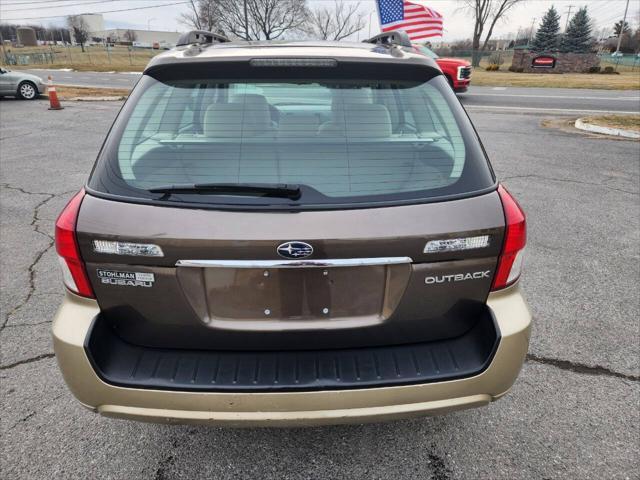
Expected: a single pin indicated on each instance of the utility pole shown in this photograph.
(533, 22)
(624, 19)
(53, 41)
(4, 52)
(566, 25)
(246, 21)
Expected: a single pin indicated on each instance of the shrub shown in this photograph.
(496, 59)
(608, 69)
(594, 69)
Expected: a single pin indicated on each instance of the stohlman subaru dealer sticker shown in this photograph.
(126, 279)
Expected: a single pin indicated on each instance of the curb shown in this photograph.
(616, 132)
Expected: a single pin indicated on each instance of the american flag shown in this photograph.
(414, 17)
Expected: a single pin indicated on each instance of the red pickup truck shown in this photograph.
(457, 71)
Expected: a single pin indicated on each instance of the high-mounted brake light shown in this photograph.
(515, 239)
(293, 62)
(74, 273)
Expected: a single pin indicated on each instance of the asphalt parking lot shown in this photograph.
(573, 413)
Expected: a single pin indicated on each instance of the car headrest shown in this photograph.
(341, 97)
(224, 120)
(251, 100)
(367, 121)
(257, 119)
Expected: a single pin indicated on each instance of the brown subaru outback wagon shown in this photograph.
(290, 233)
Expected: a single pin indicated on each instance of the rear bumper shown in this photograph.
(74, 319)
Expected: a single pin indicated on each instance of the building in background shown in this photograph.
(93, 21)
(26, 37)
(141, 38)
(138, 38)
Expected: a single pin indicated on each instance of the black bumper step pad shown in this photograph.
(123, 364)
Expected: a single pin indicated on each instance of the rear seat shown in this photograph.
(366, 121)
(230, 125)
(358, 154)
(339, 102)
(257, 119)
(298, 127)
(306, 158)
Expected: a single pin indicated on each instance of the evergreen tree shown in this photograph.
(577, 38)
(618, 26)
(548, 35)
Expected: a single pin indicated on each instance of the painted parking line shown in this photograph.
(547, 110)
(571, 97)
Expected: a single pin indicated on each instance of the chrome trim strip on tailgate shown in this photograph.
(319, 263)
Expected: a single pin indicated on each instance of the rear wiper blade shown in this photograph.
(283, 190)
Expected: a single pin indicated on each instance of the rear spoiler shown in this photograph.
(395, 37)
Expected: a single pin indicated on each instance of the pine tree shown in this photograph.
(618, 26)
(548, 35)
(577, 38)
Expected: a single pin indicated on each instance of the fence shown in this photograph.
(488, 57)
(628, 62)
(29, 59)
(98, 56)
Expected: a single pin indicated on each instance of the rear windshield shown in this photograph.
(343, 140)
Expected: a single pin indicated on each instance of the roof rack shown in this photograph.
(394, 37)
(200, 37)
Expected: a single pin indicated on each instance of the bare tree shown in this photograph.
(130, 36)
(486, 14)
(202, 15)
(58, 34)
(235, 19)
(247, 19)
(337, 22)
(79, 29)
(276, 18)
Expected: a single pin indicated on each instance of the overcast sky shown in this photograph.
(458, 24)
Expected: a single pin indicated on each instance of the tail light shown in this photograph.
(74, 273)
(515, 238)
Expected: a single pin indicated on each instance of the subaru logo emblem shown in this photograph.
(294, 250)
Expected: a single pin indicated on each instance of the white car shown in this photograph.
(21, 85)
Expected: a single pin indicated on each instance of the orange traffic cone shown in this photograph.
(54, 103)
